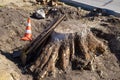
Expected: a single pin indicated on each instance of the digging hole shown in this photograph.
(66, 51)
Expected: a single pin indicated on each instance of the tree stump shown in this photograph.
(73, 51)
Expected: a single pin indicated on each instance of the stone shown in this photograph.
(40, 14)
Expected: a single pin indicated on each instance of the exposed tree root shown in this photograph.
(76, 51)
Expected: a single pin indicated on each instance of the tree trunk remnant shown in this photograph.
(75, 52)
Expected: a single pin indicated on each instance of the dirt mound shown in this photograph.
(13, 24)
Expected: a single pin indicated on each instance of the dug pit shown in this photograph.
(69, 47)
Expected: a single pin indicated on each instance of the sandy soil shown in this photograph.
(106, 67)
